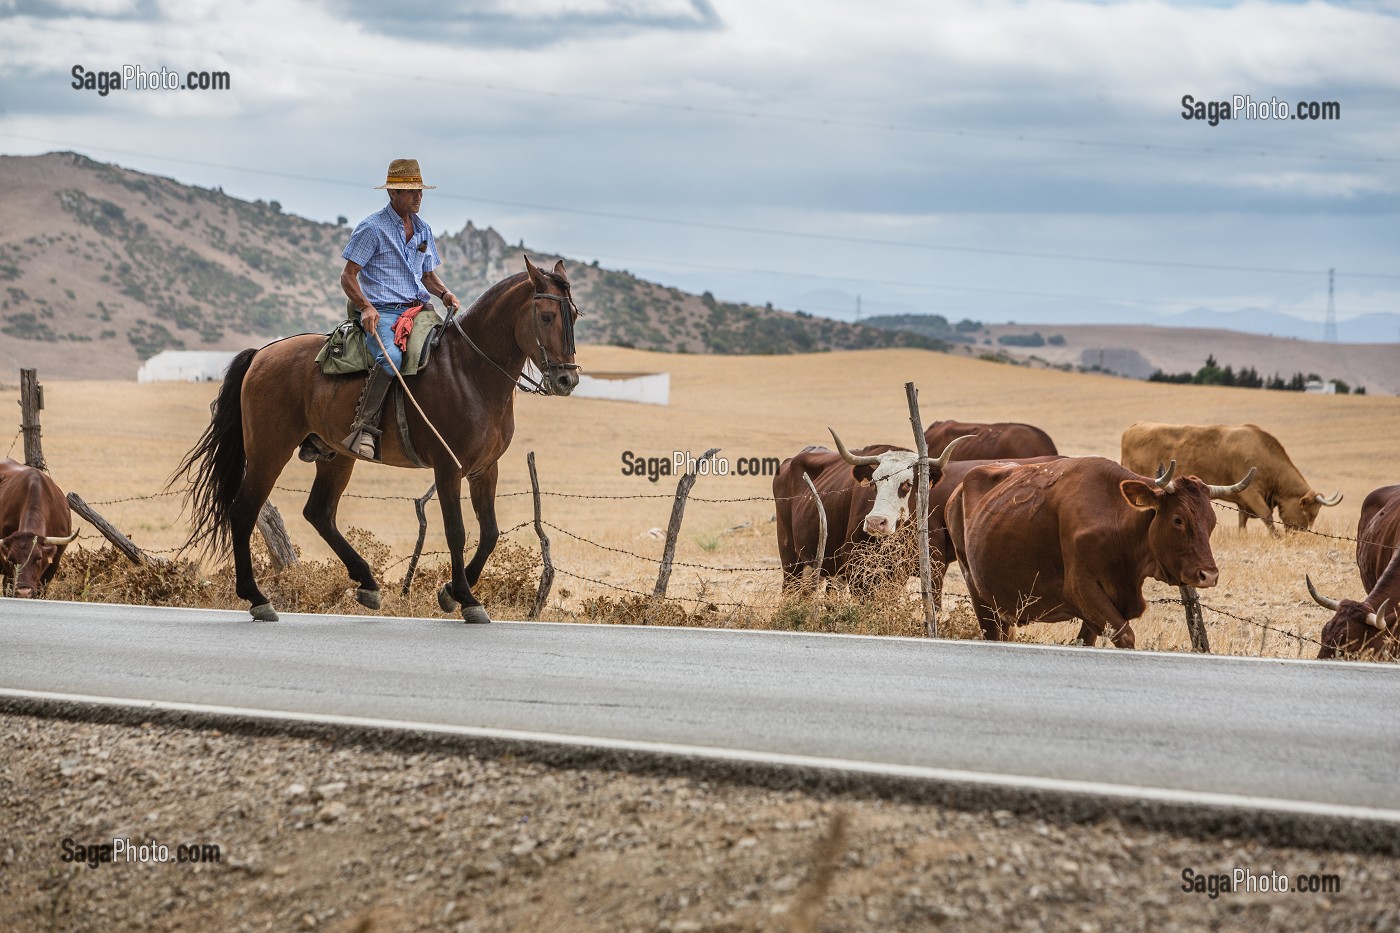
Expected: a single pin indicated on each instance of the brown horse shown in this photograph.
(274, 398)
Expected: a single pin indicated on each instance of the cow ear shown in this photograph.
(1140, 493)
(863, 473)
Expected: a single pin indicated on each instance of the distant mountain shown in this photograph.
(102, 267)
(1382, 327)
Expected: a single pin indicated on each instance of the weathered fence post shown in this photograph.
(547, 573)
(420, 506)
(673, 530)
(814, 572)
(1195, 622)
(274, 532)
(31, 402)
(120, 541)
(921, 513)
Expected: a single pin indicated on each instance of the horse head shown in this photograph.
(546, 334)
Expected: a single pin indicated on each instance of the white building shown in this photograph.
(186, 366)
(210, 365)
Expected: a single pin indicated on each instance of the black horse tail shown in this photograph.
(214, 467)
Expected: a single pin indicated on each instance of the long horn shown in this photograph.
(1222, 492)
(1377, 619)
(1165, 474)
(1325, 602)
(61, 541)
(1335, 499)
(850, 457)
(942, 460)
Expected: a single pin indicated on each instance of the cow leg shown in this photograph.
(993, 629)
(332, 476)
(1098, 611)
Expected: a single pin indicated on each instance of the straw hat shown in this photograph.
(404, 173)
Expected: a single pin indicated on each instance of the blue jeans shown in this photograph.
(388, 317)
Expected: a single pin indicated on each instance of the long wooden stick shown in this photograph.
(399, 376)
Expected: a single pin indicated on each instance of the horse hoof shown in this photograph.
(264, 613)
(370, 599)
(445, 600)
(475, 615)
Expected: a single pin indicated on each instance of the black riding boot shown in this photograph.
(365, 430)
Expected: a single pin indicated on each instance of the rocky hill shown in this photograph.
(102, 267)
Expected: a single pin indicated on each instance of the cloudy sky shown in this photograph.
(1023, 161)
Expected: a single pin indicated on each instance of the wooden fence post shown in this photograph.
(921, 513)
(673, 530)
(815, 575)
(279, 543)
(420, 506)
(31, 402)
(120, 541)
(1195, 622)
(547, 573)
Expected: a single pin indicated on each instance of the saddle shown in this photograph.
(346, 350)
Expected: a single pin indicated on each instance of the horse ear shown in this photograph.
(559, 269)
(536, 275)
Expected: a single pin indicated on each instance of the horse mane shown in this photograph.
(509, 282)
(491, 294)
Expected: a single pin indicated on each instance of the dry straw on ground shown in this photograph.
(750, 407)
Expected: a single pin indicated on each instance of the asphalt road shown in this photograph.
(1314, 732)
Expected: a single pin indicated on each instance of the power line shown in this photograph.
(789, 118)
(741, 228)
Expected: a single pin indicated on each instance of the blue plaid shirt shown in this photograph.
(391, 269)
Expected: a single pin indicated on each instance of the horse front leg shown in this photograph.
(483, 489)
(456, 591)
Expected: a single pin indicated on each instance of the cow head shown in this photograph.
(26, 557)
(1179, 536)
(1356, 630)
(892, 473)
(1302, 511)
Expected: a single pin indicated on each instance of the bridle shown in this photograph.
(548, 368)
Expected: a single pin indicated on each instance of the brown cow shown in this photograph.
(1075, 539)
(939, 541)
(1218, 452)
(865, 494)
(35, 527)
(1369, 628)
(1002, 440)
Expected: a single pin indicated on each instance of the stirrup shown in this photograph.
(364, 442)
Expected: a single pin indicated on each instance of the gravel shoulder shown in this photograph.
(318, 834)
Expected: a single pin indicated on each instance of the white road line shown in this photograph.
(1124, 792)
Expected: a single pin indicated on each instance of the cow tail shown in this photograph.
(214, 467)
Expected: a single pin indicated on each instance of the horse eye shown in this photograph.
(547, 317)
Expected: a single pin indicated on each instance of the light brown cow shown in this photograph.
(1221, 453)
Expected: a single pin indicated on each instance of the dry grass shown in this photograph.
(750, 407)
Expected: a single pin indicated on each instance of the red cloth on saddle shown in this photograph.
(404, 326)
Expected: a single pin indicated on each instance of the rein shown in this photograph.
(535, 386)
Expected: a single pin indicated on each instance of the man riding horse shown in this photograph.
(461, 422)
(389, 274)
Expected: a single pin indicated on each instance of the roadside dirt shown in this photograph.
(315, 835)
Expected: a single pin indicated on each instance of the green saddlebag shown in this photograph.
(346, 350)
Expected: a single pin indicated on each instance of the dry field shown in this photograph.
(113, 440)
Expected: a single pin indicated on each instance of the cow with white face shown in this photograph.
(866, 494)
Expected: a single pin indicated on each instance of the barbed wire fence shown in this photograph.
(660, 596)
